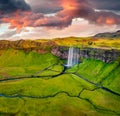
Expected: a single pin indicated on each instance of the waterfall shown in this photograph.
(70, 57)
(73, 56)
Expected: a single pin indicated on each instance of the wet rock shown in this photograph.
(106, 56)
(61, 52)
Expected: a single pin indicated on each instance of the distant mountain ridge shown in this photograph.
(102, 40)
(108, 35)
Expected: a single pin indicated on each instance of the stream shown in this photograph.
(61, 73)
(60, 92)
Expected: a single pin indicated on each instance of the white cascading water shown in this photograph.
(70, 57)
(73, 56)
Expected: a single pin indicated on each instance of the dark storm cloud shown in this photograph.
(8, 6)
(52, 6)
(45, 6)
(65, 12)
(106, 4)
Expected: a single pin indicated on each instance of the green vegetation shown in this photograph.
(67, 106)
(20, 58)
(95, 70)
(19, 63)
(104, 43)
(45, 45)
(102, 99)
(99, 72)
(64, 95)
(112, 80)
(40, 87)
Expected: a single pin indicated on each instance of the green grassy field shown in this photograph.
(18, 63)
(105, 43)
(99, 72)
(33, 84)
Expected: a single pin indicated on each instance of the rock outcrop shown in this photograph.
(107, 56)
(27, 45)
(60, 51)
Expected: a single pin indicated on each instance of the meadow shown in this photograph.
(104, 43)
(34, 84)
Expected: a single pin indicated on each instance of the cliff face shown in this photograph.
(60, 51)
(106, 56)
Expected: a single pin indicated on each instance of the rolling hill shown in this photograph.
(34, 82)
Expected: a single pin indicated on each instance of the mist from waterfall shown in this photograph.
(73, 56)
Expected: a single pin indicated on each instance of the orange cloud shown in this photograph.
(69, 4)
(110, 21)
(71, 9)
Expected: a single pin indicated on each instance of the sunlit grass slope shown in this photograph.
(17, 62)
(20, 58)
(99, 72)
(53, 93)
(66, 95)
(105, 43)
(42, 87)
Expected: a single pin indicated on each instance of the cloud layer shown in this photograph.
(8, 6)
(19, 14)
(106, 4)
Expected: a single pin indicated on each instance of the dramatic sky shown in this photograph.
(35, 19)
